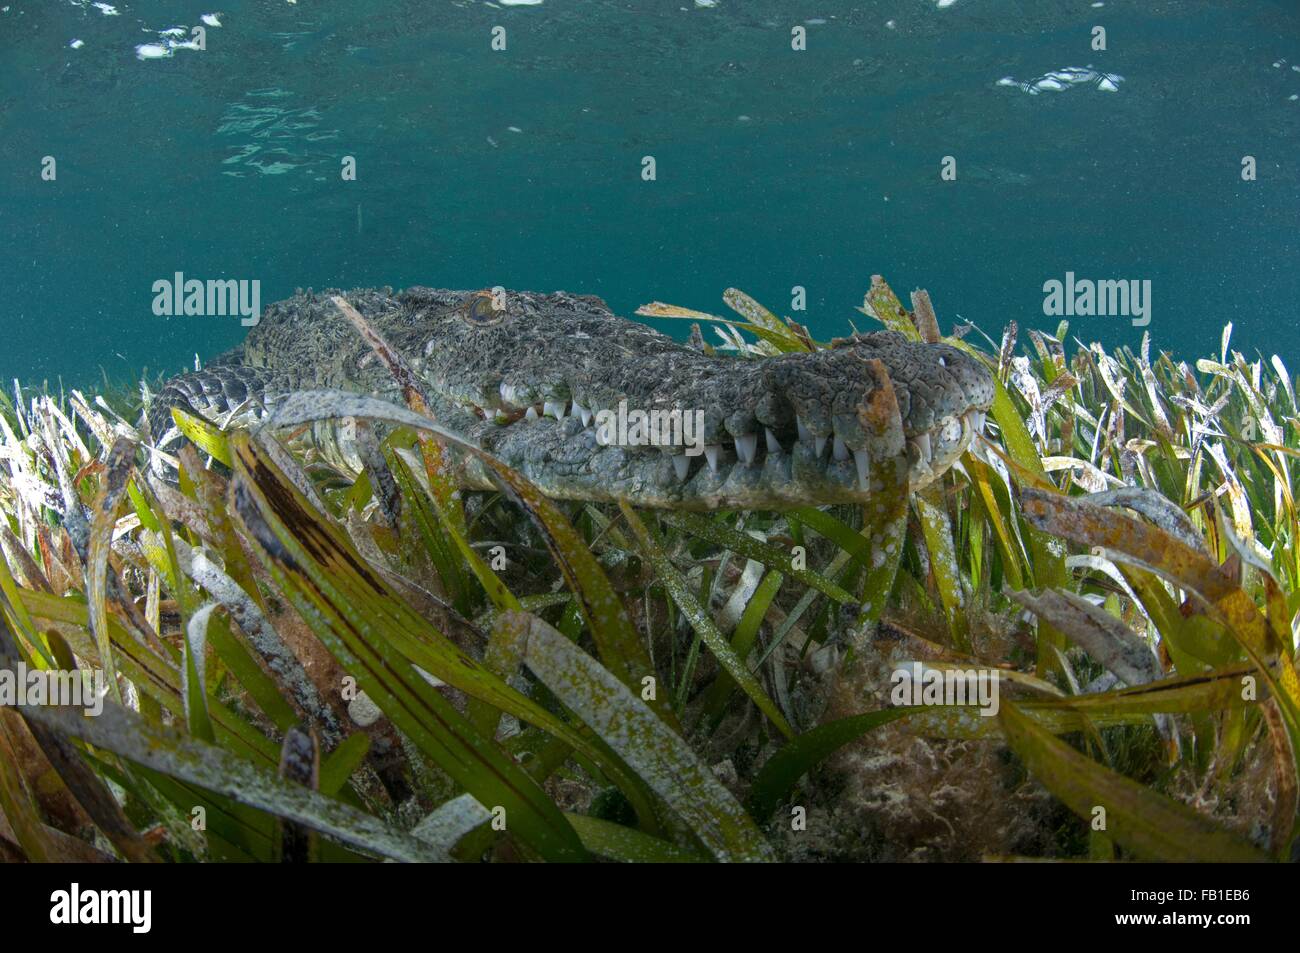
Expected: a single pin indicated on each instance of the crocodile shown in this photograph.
(527, 376)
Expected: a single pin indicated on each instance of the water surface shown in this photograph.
(522, 168)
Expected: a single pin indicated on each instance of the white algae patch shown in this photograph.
(152, 51)
(363, 710)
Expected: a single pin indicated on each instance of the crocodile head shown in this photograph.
(576, 401)
(591, 406)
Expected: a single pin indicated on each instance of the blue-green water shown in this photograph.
(523, 168)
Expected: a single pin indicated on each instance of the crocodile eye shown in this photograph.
(480, 311)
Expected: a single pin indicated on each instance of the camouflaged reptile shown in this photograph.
(524, 375)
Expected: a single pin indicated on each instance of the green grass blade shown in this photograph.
(703, 624)
(193, 761)
(773, 557)
(784, 769)
(1149, 824)
(659, 755)
(628, 845)
(268, 505)
(742, 643)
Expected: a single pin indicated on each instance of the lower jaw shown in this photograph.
(793, 478)
(778, 482)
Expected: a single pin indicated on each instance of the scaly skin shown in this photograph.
(779, 432)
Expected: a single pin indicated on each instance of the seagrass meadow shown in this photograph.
(306, 663)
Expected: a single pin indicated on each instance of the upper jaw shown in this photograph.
(569, 461)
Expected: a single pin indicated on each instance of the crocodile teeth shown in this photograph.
(583, 412)
(682, 464)
(554, 408)
(838, 450)
(821, 445)
(773, 445)
(923, 445)
(977, 421)
(531, 414)
(711, 451)
(805, 435)
(860, 458)
(747, 447)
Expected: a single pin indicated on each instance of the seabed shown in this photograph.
(296, 667)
